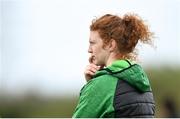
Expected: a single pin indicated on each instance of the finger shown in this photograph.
(91, 69)
(94, 66)
(89, 73)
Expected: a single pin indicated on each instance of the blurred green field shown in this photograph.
(165, 83)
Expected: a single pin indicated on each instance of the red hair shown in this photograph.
(126, 31)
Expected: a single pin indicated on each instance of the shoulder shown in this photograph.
(100, 84)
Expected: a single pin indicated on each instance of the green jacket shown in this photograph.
(97, 97)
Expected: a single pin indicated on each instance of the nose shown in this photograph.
(89, 49)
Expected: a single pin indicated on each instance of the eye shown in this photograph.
(91, 42)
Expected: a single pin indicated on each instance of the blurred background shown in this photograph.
(43, 53)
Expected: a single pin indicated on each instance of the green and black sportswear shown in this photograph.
(119, 90)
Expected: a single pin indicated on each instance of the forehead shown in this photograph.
(94, 36)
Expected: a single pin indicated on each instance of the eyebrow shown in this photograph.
(91, 41)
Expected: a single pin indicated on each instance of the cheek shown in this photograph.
(95, 49)
(98, 48)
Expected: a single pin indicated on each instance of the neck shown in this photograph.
(112, 58)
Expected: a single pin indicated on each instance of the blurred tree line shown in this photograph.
(165, 84)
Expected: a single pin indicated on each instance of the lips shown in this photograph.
(91, 59)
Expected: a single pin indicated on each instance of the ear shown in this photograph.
(112, 45)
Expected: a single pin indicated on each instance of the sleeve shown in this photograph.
(95, 99)
(87, 102)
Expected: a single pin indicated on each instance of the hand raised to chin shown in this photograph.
(91, 69)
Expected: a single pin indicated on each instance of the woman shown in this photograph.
(116, 85)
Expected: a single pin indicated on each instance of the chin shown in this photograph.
(96, 63)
